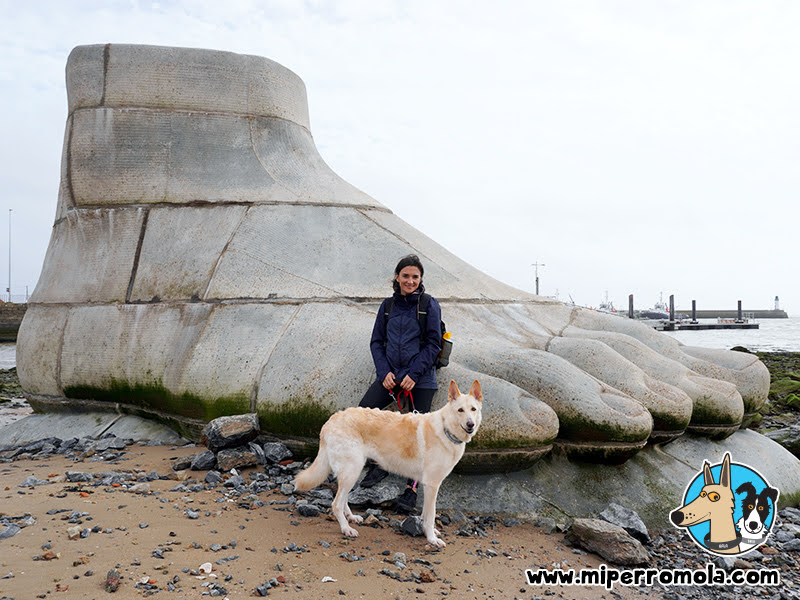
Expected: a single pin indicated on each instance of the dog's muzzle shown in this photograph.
(469, 427)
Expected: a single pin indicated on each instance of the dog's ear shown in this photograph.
(725, 474)
(475, 391)
(747, 488)
(453, 392)
(772, 494)
(708, 477)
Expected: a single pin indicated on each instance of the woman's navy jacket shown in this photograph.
(398, 348)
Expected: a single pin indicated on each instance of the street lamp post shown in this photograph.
(8, 289)
(536, 266)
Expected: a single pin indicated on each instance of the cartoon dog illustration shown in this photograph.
(714, 504)
(755, 512)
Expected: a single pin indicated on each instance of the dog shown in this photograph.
(714, 504)
(755, 511)
(424, 447)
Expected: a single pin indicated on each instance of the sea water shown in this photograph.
(8, 356)
(772, 335)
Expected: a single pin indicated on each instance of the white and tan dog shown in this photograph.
(424, 447)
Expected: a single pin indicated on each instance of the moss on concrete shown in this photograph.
(581, 429)
(301, 417)
(155, 396)
(495, 440)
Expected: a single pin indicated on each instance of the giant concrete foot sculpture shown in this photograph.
(205, 261)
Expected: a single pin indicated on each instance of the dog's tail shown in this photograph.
(316, 473)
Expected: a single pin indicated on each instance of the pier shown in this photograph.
(731, 319)
(683, 326)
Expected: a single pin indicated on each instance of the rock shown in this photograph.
(791, 528)
(412, 526)
(230, 431)
(307, 510)
(36, 446)
(9, 531)
(258, 452)
(788, 437)
(112, 581)
(112, 443)
(77, 477)
(275, 452)
(791, 514)
(610, 541)
(547, 525)
(385, 491)
(140, 488)
(33, 482)
(181, 464)
(792, 545)
(725, 562)
(236, 458)
(213, 477)
(628, 520)
(204, 461)
(74, 532)
(235, 481)
(372, 521)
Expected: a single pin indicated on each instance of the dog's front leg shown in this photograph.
(429, 516)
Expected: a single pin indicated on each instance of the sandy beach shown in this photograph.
(149, 539)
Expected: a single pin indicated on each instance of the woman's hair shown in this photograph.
(412, 260)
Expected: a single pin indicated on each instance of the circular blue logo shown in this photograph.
(728, 509)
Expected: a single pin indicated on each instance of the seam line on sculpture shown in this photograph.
(263, 262)
(63, 335)
(71, 203)
(263, 367)
(573, 313)
(136, 256)
(355, 300)
(114, 422)
(106, 60)
(387, 230)
(222, 253)
(659, 450)
(250, 127)
(190, 111)
(215, 203)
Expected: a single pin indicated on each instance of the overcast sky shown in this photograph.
(632, 147)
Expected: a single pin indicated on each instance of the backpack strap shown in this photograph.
(387, 310)
(422, 315)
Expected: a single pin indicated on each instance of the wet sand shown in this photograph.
(252, 544)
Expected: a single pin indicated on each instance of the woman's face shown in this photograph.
(408, 278)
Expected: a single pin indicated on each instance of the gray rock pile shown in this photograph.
(108, 447)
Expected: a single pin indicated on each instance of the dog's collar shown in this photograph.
(451, 437)
(754, 541)
(721, 545)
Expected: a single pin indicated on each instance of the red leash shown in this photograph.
(407, 394)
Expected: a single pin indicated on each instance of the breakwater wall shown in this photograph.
(11, 315)
(732, 314)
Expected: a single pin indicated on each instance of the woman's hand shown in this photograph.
(407, 384)
(388, 381)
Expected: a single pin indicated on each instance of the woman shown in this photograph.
(404, 356)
